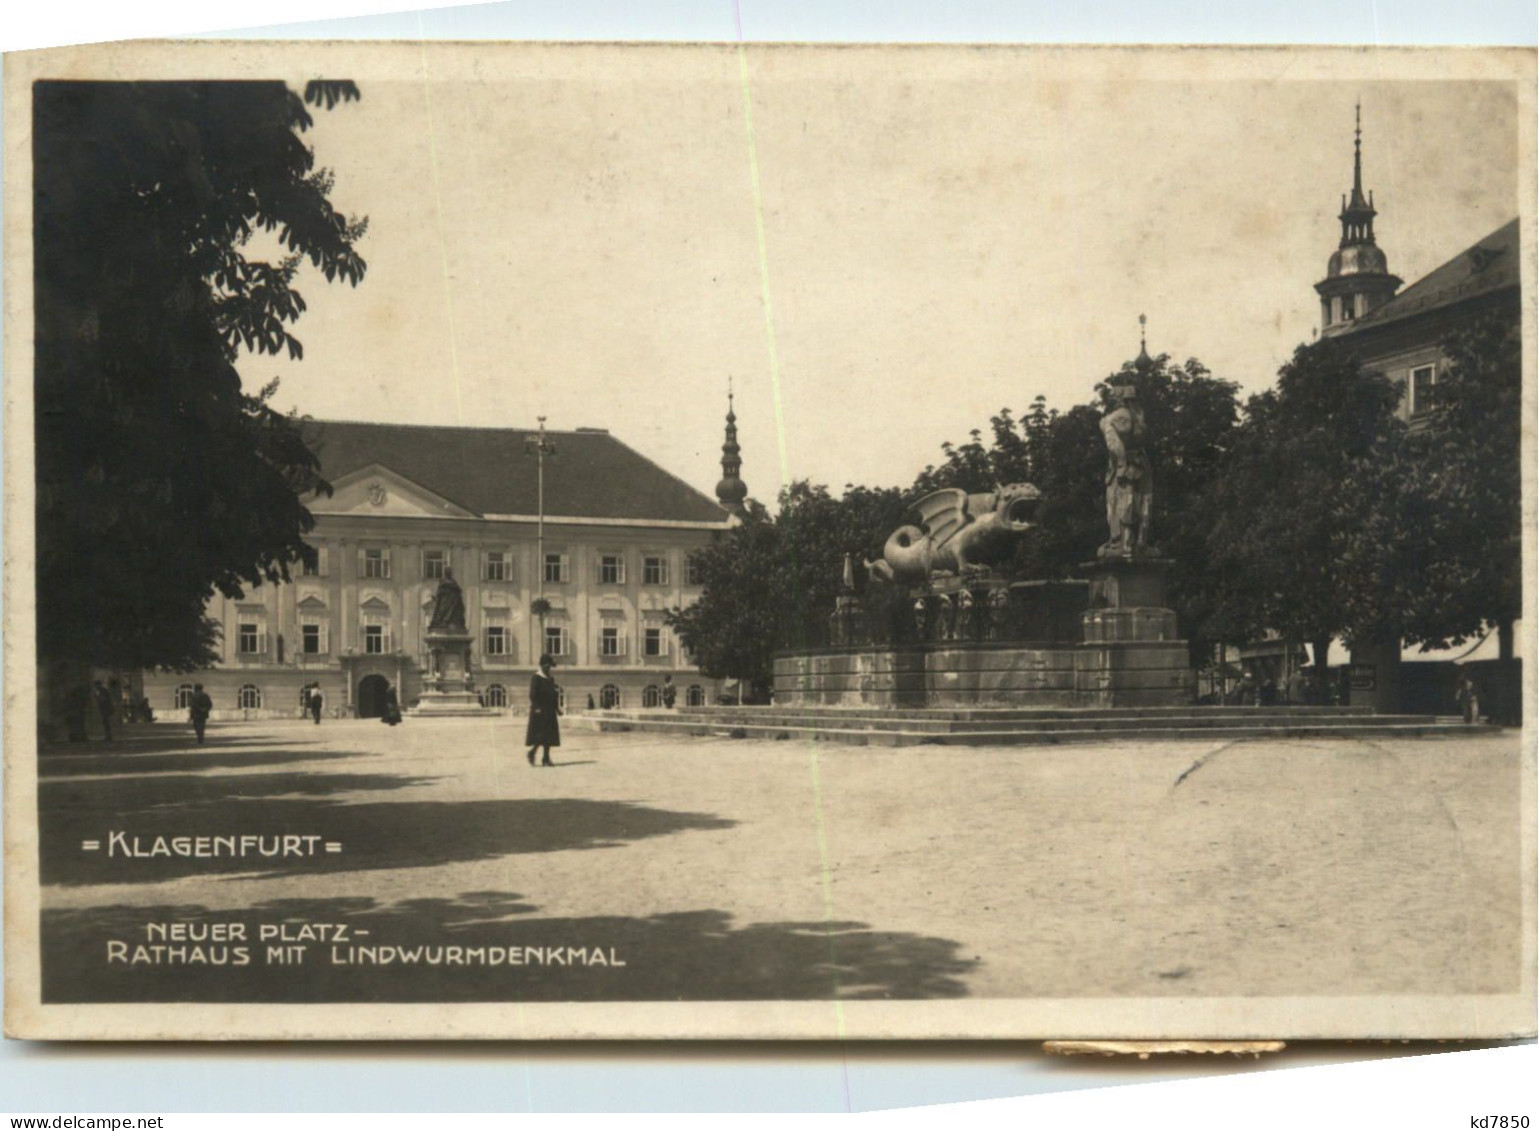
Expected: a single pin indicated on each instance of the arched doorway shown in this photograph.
(371, 696)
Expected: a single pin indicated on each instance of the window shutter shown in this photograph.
(386, 556)
(362, 558)
(385, 638)
(422, 562)
(325, 643)
(598, 568)
(261, 642)
(663, 574)
(564, 567)
(620, 570)
(662, 642)
(320, 564)
(622, 639)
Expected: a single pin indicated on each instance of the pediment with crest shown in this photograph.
(378, 491)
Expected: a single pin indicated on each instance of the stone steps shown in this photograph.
(985, 712)
(943, 721)
(1030, 732)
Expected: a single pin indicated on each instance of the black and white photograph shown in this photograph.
(775, 541)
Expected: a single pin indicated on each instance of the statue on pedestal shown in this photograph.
(1129, 475)
(448, 606)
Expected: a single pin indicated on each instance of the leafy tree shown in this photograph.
(731, 631)
(1437, 559)
(158, 479)
(1279, 511)
(770, 584)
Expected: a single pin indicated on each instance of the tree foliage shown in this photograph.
(1437, 559)
(159, 480)
(770, 583)
(1301, 483)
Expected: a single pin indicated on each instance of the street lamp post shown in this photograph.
(541, 447)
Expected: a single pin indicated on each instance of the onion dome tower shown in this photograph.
(1358, 278)
(731, 491)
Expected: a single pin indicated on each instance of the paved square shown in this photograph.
(715, 869)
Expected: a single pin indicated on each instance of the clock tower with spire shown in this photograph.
(1357, 279)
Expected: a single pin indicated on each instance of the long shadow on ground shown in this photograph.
(95, 764)
(686, 956)
(374, 835)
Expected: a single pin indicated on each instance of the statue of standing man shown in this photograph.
(1129, 475)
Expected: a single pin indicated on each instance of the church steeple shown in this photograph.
(731, 491)
(1357, 278)
(1357, 213)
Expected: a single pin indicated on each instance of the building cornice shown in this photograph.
(531, 520)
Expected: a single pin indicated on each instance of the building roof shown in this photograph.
(1489, 265)
(492, 471)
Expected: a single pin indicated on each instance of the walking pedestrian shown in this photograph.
(1469, 698)
(198, 709)
(106, 707)
(544, 708)
(317, 701)
(392, 712)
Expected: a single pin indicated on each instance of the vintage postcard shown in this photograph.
(768, 541)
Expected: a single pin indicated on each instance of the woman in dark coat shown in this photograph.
(544, 707)
(391, 716)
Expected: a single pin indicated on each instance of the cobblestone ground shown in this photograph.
(721, 869)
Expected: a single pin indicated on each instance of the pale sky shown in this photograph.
(939, 241)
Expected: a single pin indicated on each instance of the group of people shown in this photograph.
(113, 704)
(1302, 687)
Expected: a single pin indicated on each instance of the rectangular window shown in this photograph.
(434, 562)
(654, 643)
(376, 563)
(611, 569)
(691, 571)
(555, 639)
(1423, 389)
(610, 641)
(318, 569)
(496, 640)
(499, 566)
(310, 639)
(249, 639)
(376, 635)
(654, 570)
(555, 569)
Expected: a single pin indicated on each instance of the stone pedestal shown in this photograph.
(1131, 656)
(447, 688)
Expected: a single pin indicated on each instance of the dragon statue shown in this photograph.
(959, 533)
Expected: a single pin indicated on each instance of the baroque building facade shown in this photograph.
(411, 503)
